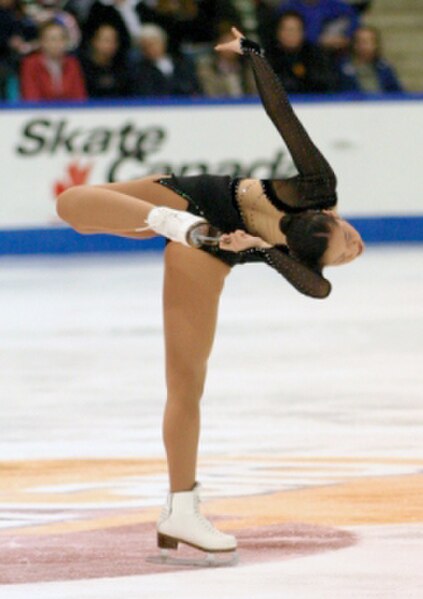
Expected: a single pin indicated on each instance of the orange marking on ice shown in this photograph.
(343, 501)
(313, 460)
(376, 500)
(382, 500)
(19, 477)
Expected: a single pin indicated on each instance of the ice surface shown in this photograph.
(81, 370)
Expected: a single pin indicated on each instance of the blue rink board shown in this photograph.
(62, 240)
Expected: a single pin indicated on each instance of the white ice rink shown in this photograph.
(81, 367)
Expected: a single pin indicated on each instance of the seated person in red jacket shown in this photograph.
(52, 74)
(302, 66)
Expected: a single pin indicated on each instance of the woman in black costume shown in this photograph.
(290, 224)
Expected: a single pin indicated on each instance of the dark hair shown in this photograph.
(307, 236)
(291, 14)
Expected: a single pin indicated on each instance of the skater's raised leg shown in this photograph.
(138, 209)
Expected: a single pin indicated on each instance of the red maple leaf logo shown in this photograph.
(75, 175)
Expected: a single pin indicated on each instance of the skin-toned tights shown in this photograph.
(193, 282)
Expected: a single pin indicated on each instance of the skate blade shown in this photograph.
(207, 240)
(204, 234)
(211, 560)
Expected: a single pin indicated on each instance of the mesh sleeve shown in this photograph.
(305, 280)
(315, 184)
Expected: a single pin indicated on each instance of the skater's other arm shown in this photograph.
(255, 249)
(239, 241)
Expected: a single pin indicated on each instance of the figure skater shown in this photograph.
(290, 224)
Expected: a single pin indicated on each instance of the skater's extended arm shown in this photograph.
(315, 184)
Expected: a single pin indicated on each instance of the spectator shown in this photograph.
(44, 11)
(301, 66)
(255, 18)
(8, 33)
(18, 32)
(79, 9)
(330, 23)
(365, 70)
(106, 72)
(52, 74)
(120, 14)
(159, 73)
(197, 22)
(242, 13)
(184, 21)
(225, 74)
(26, 39)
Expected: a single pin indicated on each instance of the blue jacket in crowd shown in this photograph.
(319, 14)
(386, 75)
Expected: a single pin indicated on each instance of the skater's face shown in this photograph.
(344, 244)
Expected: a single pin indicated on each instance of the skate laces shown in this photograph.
(202, 519)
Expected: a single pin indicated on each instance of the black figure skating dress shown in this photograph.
(220, 200)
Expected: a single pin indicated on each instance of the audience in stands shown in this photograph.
(106, 71)
(43, 11)
(18, 37)
(365, 70)
(26, 40)
(159, 73)
(330, 23)
(225, 74)
(79, 8)
(8, 32)
(51, 73)
(255, 18)
(191, 24)
(186, 22)
(165, 47)
(120, 14)
(303, 67)
(244, 15)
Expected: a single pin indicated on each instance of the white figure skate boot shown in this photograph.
(182, 522)
(178, 225)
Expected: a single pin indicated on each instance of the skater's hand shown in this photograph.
(239, 240)
(232, 46)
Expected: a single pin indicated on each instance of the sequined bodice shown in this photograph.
(260, 216)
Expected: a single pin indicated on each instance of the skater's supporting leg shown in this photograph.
(192, 287)
(116, 208)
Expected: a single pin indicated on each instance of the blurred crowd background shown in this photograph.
(73, 50)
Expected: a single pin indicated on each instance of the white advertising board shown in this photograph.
(376, 150)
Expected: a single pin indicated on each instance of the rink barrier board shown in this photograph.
(55, 145)
(184, 102)
(400, 229)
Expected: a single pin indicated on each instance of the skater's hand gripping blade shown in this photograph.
(210, 560)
